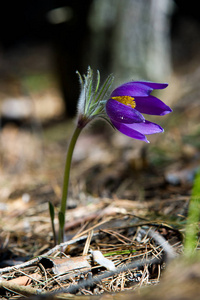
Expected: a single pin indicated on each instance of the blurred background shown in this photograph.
(43, 43)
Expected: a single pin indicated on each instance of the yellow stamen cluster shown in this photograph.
(127, 100)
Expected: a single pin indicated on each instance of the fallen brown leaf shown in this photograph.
(25, 280)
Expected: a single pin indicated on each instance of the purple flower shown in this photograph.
(127, 103)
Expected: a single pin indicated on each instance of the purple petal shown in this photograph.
(127, 130)
(154, 85)
(122, 113)
(152, 106)
(146, 127)
(132, 89)
(137, 88)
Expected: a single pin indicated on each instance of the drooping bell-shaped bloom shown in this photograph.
(129, 101)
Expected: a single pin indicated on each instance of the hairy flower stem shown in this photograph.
(72, 144)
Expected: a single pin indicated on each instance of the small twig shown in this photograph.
(87, 243)
(19, 289)
(162, 242)
(19, 266)
(117, 235)
(94, 227)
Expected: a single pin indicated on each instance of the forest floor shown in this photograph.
(124, 197)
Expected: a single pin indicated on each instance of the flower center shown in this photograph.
(127, 100)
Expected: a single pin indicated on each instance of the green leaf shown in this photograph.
(192, 227)
(61, 219)
(119, 252)
(98, 81)
(51, 211)
(80, 79)
(52, 216)
(196, 187)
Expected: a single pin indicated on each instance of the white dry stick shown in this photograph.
(162, 242)
(103, 261)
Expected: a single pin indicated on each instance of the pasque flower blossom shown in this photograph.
(122, 108)
(129, 101)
